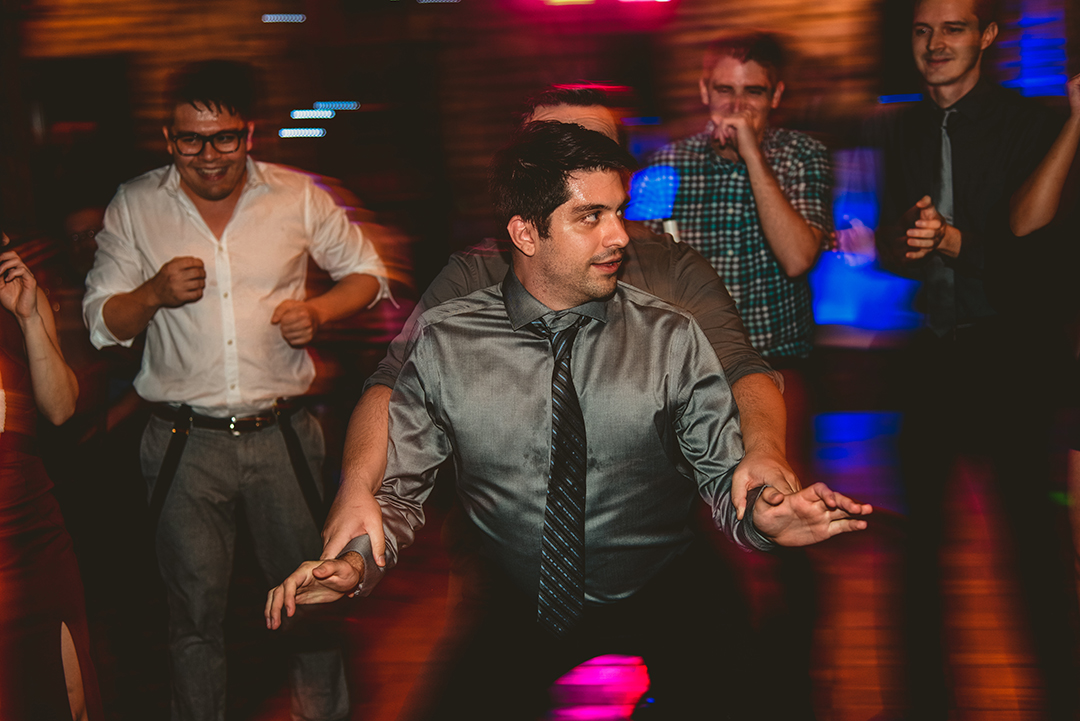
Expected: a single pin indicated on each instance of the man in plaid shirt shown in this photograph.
(754, 200)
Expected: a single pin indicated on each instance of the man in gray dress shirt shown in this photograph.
(661, 426)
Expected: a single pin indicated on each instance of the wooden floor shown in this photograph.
(388, 636)
(857, 656)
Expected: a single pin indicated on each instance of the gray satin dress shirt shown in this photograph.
(661, 428)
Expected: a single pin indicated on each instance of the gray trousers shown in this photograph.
(196, 536)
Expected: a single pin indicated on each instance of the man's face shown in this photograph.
(737, 88)
(210, 175)
(592, 117)
(579, 259)
(947, 43)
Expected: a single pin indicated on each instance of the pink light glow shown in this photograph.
(606, 688)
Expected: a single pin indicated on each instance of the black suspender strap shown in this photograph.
(180, 431)
(301, 467)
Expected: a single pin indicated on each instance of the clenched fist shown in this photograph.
(298, 321)
(178, 282)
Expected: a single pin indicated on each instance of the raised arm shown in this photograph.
(1036, 202)
(122, 293)
(794, 240)
(300, 320)
(178, 282)
(341, 248)
(54, 384)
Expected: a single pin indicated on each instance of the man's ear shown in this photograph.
(168, 140)
(250, 135)
(703, 88)
(777, 94)
(523, 234)
(989, 34)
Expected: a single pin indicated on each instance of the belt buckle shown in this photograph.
(232, 426)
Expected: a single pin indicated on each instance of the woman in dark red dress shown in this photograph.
(45, 668)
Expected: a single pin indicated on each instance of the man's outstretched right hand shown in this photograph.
(313, 582)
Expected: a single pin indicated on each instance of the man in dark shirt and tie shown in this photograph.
(973, 379)
(583, 416)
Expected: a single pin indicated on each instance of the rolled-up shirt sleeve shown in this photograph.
(117, 269)
(338, 245)
(807, 183)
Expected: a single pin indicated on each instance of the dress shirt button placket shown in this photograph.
(228, 323)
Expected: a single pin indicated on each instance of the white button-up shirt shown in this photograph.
(220, 354)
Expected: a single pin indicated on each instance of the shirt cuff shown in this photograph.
(746, 533)
(100, 335)
(384, 291)
(378, 379)
(373, 573)
(775, 376)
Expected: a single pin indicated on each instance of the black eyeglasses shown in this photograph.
(227, 141)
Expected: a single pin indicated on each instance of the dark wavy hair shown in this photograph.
(529, 176)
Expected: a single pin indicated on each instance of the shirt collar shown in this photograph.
(171, 181)
(522, 308)
(977, 103)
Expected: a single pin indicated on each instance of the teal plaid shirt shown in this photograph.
(717, 215)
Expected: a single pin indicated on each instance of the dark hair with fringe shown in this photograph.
(529, 176)
(218, 85)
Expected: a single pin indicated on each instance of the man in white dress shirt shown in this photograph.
(209, 256)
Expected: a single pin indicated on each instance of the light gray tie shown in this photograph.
(939, 284)
(945, 182)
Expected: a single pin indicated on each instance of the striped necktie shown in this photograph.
(561, 596)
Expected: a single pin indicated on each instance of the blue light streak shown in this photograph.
(302, 132)
(308, 114)
(1034, 58)
(336, 105)
(902, 98)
